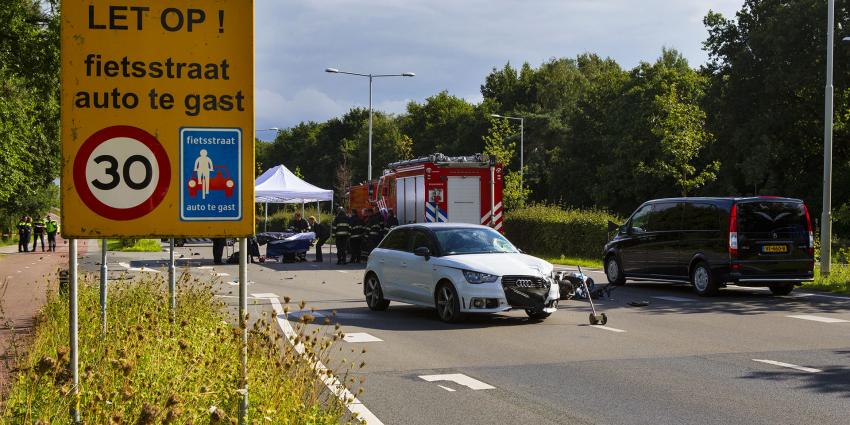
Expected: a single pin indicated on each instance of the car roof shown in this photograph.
(726, 199)
(435, 226)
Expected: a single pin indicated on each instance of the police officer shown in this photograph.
(218, 249)
(52, 227)
(375, 225)
(342, 231)
(24, 228)
(37, 233)
(357, 233)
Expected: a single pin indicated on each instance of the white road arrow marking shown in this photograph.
(789, 365)
(446, 388)
(819, 318)
(460, 379)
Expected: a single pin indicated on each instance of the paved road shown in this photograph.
(736, 358)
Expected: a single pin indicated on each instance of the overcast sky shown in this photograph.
(450, 45)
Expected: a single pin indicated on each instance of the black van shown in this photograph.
(709, 242)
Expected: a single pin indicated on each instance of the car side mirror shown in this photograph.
(423, 251)
(612, 226)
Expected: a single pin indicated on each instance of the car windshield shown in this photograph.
(472, 241)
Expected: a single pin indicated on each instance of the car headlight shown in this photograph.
(478, 277)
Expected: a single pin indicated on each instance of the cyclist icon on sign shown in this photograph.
(203, 168)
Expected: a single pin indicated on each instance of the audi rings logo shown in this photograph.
(525, 283)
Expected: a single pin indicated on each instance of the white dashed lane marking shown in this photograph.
(819, 318)
(677, 299)
(341, 271)
(220, 274)
(460, 379)
(236, 283)
(360, 337)
(607, 328)
(789, 365)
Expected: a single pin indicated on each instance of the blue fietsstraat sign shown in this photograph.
(210, 170)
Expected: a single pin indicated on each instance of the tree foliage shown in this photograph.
(29, 105)
(748, 122)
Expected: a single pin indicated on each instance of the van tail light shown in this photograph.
(811, 248)
(733, 231)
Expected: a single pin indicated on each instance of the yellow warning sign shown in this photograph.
(157, 118)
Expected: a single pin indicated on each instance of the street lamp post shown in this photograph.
(371, 77)
(826, 215)
(521, 143)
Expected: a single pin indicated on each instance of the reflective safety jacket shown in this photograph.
(52, 226)
(24, 227)
(375, 225)
(357, 227)
(38, 227)
(341, 226)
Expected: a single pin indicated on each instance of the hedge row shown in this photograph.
(551, 231)
(279, 220)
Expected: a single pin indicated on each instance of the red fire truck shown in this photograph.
(437, 188)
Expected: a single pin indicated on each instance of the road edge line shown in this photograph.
(354, 405)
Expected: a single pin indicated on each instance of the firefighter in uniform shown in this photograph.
(341, 231)
(392, 220)
(375, 225)
(24, 229)
(357, 233)
(37, 233)
(322, 234)
(52, 227)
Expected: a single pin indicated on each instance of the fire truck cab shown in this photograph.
(437, 188)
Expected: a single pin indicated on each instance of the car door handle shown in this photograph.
(403, 264)
(381, 261)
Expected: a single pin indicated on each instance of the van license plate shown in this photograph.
(774, 249)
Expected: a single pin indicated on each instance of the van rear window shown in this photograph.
(778, 217)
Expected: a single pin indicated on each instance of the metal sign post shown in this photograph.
(172, 284)
(73, 330)
(103, 270)
(243, 325)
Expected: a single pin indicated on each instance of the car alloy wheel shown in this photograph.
(374, 295)
(701, 279)
(448, 305)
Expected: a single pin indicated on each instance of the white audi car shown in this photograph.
(458, 269)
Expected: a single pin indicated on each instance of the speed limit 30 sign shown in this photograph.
(122, 172)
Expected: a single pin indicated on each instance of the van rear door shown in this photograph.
(773, 239)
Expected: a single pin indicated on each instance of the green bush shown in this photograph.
(279, 220)
(552, 231)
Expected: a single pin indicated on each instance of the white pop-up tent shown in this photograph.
(278, 185)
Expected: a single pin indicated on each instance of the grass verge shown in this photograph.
(575, 261)
(151, 369)
(134, 245)
(837, 281)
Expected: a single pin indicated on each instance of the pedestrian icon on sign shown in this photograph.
(203, 167)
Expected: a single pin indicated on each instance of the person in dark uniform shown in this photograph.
(24, 228)
(37, 233)
(322, 234)
(298, 224)
(374, 225)
(357, 231)
(52, 227)
(218, 249)
(392, 220)
(342, 231)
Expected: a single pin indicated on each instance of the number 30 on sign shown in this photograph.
(122, 172)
